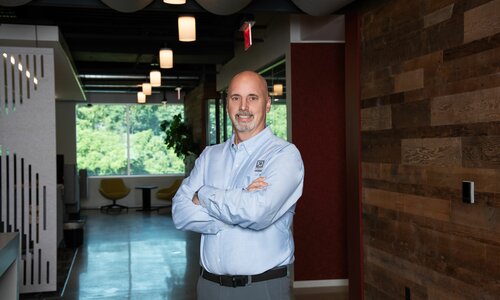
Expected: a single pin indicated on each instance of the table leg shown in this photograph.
(146, 200)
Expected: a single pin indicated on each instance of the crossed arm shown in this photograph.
(257, 184)
(255, 207)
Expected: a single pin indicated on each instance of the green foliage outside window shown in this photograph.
(276, 120)
(125, 140)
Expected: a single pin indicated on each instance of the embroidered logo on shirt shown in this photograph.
(259, 165)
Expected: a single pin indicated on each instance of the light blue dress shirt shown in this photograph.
(243, 233)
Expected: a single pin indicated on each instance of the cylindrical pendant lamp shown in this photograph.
(146, 88)
(187, 28)
(278, 89)
(155, 78)
(166, 58)
(141, 98)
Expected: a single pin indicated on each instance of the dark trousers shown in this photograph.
(273, 289)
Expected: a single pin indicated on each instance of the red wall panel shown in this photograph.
(318, 126)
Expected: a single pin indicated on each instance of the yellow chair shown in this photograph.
(113, 189)
(169, 192)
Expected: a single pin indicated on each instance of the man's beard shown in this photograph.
(245, 127)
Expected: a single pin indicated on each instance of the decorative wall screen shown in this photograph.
(28, 161)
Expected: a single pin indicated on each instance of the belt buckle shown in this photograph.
(239, 281)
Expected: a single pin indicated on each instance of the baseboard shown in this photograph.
(320, 283)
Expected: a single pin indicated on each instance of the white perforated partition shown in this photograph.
(28, 161)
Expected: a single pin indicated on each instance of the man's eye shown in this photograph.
(234, 98)
(253, 98)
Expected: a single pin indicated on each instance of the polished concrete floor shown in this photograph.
(139, 255)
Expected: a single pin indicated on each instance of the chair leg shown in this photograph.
(114, 205)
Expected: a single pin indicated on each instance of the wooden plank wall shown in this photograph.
(430, 114)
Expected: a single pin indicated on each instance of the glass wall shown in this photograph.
(125, 139)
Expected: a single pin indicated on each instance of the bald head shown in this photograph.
(249, 76)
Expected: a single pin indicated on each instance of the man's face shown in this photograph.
(248, 103)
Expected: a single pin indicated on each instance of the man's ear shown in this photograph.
(268, 104)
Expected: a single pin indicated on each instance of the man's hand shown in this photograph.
(195, 199)
(257, 184)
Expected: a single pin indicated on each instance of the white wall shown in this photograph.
(28, 160)
(134, 198)
(66, 131)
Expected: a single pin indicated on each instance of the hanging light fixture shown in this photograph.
(155, 78)
(176, 2)
(187, 28)
(146, 88)
(178, 89)
(166, 58)
(278, 89)
(141, 97)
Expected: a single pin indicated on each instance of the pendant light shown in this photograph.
(166, 58)
(141, 98)
(178, 90)
(278, 89)
(146, 88)
(187, 28)
(155, 78)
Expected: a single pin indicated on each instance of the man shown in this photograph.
(241, 197)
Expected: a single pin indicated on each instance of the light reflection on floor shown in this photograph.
(134, 256)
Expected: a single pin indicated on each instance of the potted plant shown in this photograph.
(179, 136)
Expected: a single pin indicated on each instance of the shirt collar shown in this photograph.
(254, 142)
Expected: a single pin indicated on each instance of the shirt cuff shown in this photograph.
(206, 194)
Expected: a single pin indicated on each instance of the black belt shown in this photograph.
(243, 280)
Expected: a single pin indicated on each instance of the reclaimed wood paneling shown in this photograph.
(477, 46)
(381, 149)
(408, 81)
(439, 251)
(482, 21)
(438, 16)
(436, 65)
(383, 100)
(473, 65)
(428, 62)
(486, 180)
(482, 152)
(430, 6)
(476, 216)
(411, 115)
(471, 107)
(433, 151)
(426, 275)
(433, 208)
(376, 118)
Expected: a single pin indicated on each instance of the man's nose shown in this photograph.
(243, 104)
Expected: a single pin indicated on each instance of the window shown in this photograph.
(276, 119)
(212, 122)
(275, 74)
(125, 139)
